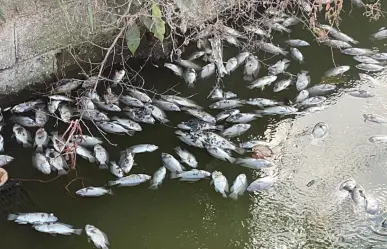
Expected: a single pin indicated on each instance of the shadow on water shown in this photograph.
(293, 214)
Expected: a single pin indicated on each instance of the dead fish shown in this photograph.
(65, 113)
(56, 161)
(279, 67)
(67, 85)
(131, 101)
(320, 130)
(202, 115)
(231, 65)
(175, 69)
(236, 130)
(188, 64)
(60, 98)
(93, 191)
(26, 106)
(241, 58)
(157, 113)
(303, 80)
(94, 115)
(257, 31)
(207, 70)
(127, 123)
(370, 67)
(86, 140)
(271, 48)
(41, 163)
(336, 43)
(296, 54)
(282, 85)
(118, 76)
(297, 43)
(361, 94)
(115, 128)
(41, 117)
(252, 67)
(181, 101)
(90, 82)
(107, 107)
(227, 104)
(22, 135)
(166, 106)
(53, 105)
(4, 160)
(41, 139)
(102, 156)
(143, 97)
(375, 118)
(262, 82)
(84, 153)
(189, 77)
(196, 55)
(24, 121)
(116, 170)
(336, 71)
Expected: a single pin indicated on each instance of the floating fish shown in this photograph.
(320, 130)
(261, 184)
(131, 180)
(175, 69)
(127, 123)
(189, 77)
(239, 186)
(336, 71)
(93, 192)
(186, 157)
(98, 237)
(41, 139)
(297, 43)
(191, 176)
(57, 228)
(102, 156)
(22, 135)
(158, 178)
(282, 85)
(220, 154)
(220, 182)
(32, 218)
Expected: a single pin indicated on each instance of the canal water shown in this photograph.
(304, 209)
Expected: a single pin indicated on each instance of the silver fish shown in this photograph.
(1, 143)
(232, 40)
(118, 76)
(261, 102)
(41, 163)
(336, 71)
(226, 113)
(365, 59)
(192, 138)
(277, 110)
(214, 140)
(229, 95)
(242, 118)
(312, 101)
(24, 121)
(220, 182)
(251, 144)
(196, 55)
(92, 95)
(261, 184)
(357, 51)
(141, 148)
(131, 180)
(262, 82)
(57, 228)
(254, 163)
(216, 94)
(303, 80)
(279, 67)
(22, 135)
(102, 156)
(166, 106)
(320, 130)
(220, 154)
(157, 113)
(340, 36)
(158, 178)
(189, 77)
(53, 105)
(380, 56)
(380, 35)
(297, 43)
(67, 85)
(107, 107)
(271, 48)
(227, 104)
(126, 160)
(93, 191)
(41, 139)
(131, 101)
(116, 170)
(375, 118)
(231, 65)
(257, 31)
(94, 115)
(61, 98)
(86, 140)
(174, 68)
(139, 115)
(41, 117)
(303, 95)
(202, 115)
(56, 161)
(282, 85)
(65, 113)
(171, 163)
(32, 218)
(277, 27)
(127, 123)
(188, 64)
(90, 82)
(26, 106)
(252, 67)
(378, 139)
(297, 54)
(207, 70)
(239, 186)
(186, 157)
(191, 176)
(115, 128)
(143, 97)
(241, 58)
(358, 196)
(321, 89)
(4, 160)
(361, 94)
(198, 125)
(181, 101)
(370, 67)
(290, 21)
(336, 43)
(85, 153)
(98, 237)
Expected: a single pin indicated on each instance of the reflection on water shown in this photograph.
(304, 209)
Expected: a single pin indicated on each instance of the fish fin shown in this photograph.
(165, 120)
(39, 149)
(287, 30)
(224, 195)
(191, 85)
(231, 159)
(233, 196)
(285, 53)
(240, 151)
(212, 182)
(248, 77)
(110, 192)
(251, 86)
(112, 183)
(154, 187)
(219, 127)
(78, 231)
(92, 159)
(174, 175)
(27, 145)
(355, 42)
(62, 172)
(12, 216)
(103, 166)
(130, 133)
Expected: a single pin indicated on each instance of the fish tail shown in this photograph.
(224, 195)
(287, 30)
(103, 166)
(284, 52)
(112, 183)
(154, 186)
(164, 121)
(39, 149)
(234, 196)
(240, 151)
(110, 192)
(12, 216)
(130, 133)
(231, 159)
(62, 172)
(248, 77)
(77, 231)
(27, 145)
(92, 159)
(174, 175)
(251, 86)
(219, 127)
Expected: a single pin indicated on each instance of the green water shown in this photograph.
(193, 215)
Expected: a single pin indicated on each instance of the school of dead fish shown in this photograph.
(203, 130)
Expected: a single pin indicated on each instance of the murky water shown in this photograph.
(292, 214)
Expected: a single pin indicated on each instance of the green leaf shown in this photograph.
(91, 17)
(158, 27)
(147, 21)
(133, 38)
(2, 18)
